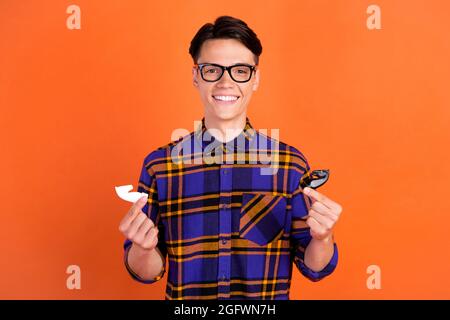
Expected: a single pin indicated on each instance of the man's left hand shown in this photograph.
(322, 215)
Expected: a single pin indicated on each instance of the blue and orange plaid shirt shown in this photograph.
(230, 228)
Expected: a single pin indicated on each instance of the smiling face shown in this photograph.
(225, 99)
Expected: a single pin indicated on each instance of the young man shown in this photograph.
(232, 227)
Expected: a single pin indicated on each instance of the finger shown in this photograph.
(152, 232)
(315, 226)
(322, 209)
(314, 194)
(325, 221)
(135, 209)
(138, 205)
(134, 226)
(128, 220)
(151, 239)
(152, 224)
(142, 231)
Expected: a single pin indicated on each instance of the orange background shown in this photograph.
(80, 109)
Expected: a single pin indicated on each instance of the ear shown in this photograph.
(194, 77)
(256, 82)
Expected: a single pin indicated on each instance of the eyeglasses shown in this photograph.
(314, 179)
(212, 72)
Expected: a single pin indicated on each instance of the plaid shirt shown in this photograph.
(230, 230)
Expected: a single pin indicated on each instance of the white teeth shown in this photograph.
(225, 98)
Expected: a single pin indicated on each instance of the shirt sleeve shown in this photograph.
(301, 237)
(147, 184)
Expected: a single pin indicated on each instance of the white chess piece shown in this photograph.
(124, 194)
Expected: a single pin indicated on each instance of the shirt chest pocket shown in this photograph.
(262, 217)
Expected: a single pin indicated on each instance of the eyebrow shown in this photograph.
(246, 63)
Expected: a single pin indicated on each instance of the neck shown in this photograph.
(225, 130)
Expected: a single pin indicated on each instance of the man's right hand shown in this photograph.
(138, 228)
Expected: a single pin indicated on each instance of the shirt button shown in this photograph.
(225, 172)
(224, 205)
(224, 241)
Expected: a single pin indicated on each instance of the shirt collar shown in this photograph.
(246, 135)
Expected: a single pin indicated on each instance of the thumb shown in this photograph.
(140, 203)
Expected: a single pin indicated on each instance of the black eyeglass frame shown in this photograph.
(200, 66)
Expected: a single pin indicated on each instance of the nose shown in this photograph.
(225, 81)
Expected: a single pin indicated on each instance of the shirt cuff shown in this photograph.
(135, 276)
(316, 276)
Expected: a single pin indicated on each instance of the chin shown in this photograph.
(225, 113)
(227, 116)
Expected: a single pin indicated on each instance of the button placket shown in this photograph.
(224, 261)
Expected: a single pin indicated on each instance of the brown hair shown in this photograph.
(226, 27)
